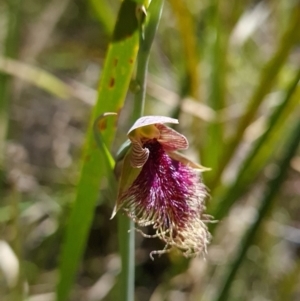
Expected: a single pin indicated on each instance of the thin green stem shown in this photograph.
(126, 229)
(126, 237)
(141, 74)
(266, 205)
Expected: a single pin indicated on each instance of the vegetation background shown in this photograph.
(228, 70)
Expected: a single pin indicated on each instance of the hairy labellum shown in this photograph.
(167, 192)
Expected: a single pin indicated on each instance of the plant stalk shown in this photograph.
(126, 227)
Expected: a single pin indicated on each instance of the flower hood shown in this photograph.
(162, 188)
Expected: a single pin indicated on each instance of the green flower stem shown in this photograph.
(126, 237)
(266, 205)
(126, 228)
(154, 14)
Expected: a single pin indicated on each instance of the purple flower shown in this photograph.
(162, 188)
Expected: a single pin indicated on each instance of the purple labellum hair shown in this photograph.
(162, 188)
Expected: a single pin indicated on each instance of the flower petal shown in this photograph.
(183, 159)
(170, 139)
(148, 120)
(128, 175)
(168, 195)
(139, 155)
(145, 132)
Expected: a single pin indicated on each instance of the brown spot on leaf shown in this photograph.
(112, 82)
(102, 124)
(131, 61)
(115, 62)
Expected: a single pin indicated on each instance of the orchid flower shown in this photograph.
(162, 188)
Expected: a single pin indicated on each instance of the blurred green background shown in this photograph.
(229, 71)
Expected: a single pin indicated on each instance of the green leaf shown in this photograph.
(114, 83)
(109, 160)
